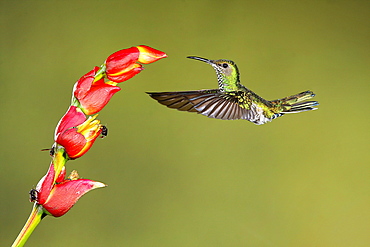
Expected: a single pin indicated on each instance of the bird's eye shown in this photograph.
(225, 65)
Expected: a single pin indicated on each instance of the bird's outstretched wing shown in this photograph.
(211, 103)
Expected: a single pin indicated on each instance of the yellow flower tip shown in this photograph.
(95, 122)
(92, 118)
(149, 55)
(90, 125)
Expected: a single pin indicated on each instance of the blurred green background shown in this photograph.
(181, 179)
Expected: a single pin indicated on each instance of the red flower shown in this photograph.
(75, 133)
(58, 197)
(73, 117)
(93, 95)
(122, 65)
(149, 55)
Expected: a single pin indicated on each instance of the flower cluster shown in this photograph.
(77, 131)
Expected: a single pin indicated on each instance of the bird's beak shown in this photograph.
(202, 59)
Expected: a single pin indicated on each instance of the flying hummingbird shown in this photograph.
(232, 100)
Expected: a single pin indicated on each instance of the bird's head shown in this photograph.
(226, 70)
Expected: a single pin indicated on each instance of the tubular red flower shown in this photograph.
(122, 65)
(119, 61)
(79, 139)
(149, 54)
(58, 197)
(93, 96)
(124, 76)
(73, 117)
(83, 85)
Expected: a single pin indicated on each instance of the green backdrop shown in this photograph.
(181, 179)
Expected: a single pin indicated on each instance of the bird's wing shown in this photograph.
(211, 103)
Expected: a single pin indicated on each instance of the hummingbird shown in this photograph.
(232, 100)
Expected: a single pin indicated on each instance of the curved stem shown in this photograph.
(37, 214)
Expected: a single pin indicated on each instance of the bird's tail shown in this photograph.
(295, 104)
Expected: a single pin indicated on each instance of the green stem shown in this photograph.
(100, 73)
(37, 214)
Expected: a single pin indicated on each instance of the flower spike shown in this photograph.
(77, 131)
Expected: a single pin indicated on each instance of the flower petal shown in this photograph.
(66, 194)
(78, 140)
(149, 54)
(83, 85)
(45, 185)
(61, 175)
(121, 77)
(73, 117)
(72, 141)
(99, 95)
(121, 60)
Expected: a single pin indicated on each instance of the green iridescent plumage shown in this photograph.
(232, 100)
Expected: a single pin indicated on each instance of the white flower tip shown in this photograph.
(99, 185)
